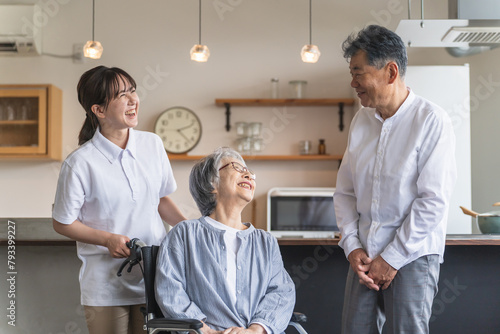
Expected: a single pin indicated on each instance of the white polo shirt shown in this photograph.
(116, 190)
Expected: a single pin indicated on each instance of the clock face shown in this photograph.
(179, 128)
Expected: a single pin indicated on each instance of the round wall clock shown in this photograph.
(179, 128)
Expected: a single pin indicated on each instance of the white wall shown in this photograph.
(250, 43)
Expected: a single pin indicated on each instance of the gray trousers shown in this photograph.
(404, 307)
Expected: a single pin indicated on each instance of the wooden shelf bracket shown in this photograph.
(228, 116)
(341, 116)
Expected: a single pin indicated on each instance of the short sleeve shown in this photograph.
(69, 196)
(168, 184)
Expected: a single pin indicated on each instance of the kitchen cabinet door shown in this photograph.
(30, 122)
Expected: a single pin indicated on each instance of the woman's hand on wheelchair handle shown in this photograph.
(117, 247)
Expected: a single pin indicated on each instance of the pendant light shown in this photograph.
(310, 53)
(93, 49)
(199, 52)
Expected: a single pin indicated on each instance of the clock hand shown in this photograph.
(188, 126)
(179, 130)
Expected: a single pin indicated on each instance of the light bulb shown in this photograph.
(199, 53)
(92, 49)
(310, 53)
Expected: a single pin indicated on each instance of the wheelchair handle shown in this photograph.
(135, 243)
(135, 246)
(124, 263)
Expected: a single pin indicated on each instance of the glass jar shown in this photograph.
(297, 89)
(241, 129)
(257, 144)
(321, 147)
(275, 88)
(244, 145)
(305, 147)
(254, 129)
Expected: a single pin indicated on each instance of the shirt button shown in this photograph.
(239, 291)
(375, 201)
(239, 267)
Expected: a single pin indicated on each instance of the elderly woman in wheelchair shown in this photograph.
(217, 268)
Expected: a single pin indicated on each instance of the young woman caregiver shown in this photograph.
(114, 187)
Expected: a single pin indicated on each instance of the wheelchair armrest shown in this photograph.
(178, 324)
(299, 317)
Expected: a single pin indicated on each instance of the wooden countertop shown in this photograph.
(451, 240)
(472, 240)
(39, 232)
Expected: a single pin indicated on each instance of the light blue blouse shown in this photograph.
(190, 278)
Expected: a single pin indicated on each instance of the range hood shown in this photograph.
(472, 27)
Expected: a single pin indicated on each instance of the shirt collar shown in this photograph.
(407, 103)
(132, 143)
(402, 109)
(109, 149)
(242, 233)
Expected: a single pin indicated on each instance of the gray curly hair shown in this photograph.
(204, 178)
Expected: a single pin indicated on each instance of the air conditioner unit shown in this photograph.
(20, 30)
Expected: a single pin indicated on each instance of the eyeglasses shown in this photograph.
(240, 169)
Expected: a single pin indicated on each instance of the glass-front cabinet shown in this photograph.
(30, 122)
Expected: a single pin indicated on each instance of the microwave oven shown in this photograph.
(302, 212)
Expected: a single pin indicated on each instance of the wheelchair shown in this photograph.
(154, 321)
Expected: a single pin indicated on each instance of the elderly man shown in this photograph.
(393, 191)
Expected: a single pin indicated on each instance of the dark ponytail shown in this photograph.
(88, 129)
(98, 85)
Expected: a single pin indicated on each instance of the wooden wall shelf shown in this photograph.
(341, 102)
(283, 102)
(185, 157)
(19, 122)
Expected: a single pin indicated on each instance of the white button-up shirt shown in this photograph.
(395, 182)
(115, 190)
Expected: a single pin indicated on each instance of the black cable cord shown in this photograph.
(93, 19)
(199, 21)
(142, 270)
(310, 21)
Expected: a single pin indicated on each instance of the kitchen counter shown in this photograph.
(31, 232)
(451, 239)
(470, 275)
(467, 300)
(39, 232)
